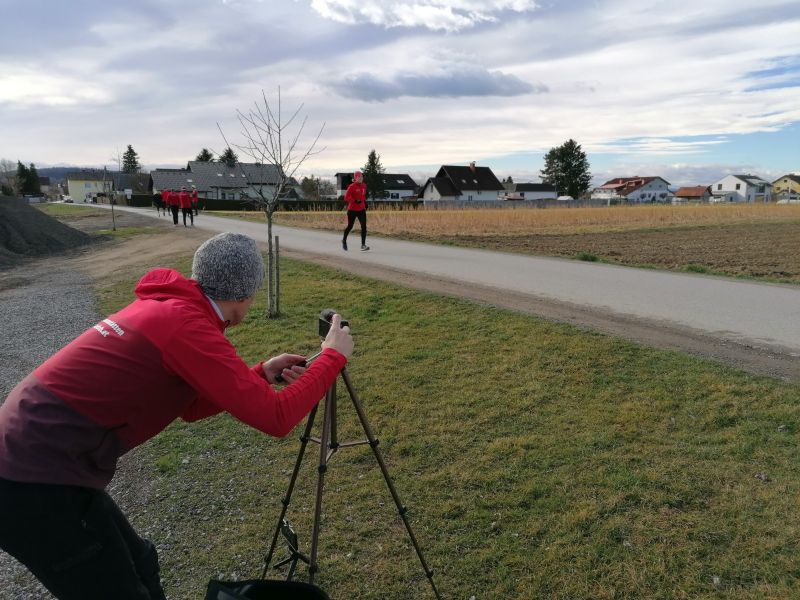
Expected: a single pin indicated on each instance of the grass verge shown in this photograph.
(537, 461)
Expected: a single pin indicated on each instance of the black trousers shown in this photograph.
(352, 215)
(174, 209)
(77, 542)
(187, 211)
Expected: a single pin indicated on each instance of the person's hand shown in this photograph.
(339, 337)
(288, 366)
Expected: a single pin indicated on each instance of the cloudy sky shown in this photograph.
(686, 89)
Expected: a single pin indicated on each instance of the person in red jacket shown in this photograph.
(185, 201)
(166, 200)
(174, 205)
(356, 198)
(195, 201)
(162, 357)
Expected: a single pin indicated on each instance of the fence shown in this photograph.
(542, 203)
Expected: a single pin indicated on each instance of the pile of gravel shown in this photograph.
(26, 232)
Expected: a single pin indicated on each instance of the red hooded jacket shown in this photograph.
(121, 382)
(185, 199)
(356, 196)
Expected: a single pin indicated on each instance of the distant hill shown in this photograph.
(56, 174)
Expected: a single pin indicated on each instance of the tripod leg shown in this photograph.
(327, 433)
(373, 443)
(287, 498)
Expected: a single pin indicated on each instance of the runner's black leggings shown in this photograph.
(187, 211)
(352, 215)
(77, 542)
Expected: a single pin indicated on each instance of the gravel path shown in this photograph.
(29, 295)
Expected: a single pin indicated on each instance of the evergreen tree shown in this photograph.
(373, 176)
(229, 157)
(567, 167)
(130, 161)
(205, 156)
(23, 179)
(34, 185)
(313, 188)
(309, 187)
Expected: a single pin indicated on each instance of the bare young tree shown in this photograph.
(269, 140)
(8, 177)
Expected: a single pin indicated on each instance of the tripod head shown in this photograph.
(324, 326)
(325, 319)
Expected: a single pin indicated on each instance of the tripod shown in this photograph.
(329, 444)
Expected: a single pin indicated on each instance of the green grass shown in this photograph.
(537, 461)
(66, 210)
(126, 232)
(695, 269)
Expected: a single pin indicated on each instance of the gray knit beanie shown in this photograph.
(228, 267)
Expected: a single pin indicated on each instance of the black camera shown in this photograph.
(325, 318)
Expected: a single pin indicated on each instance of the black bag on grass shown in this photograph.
(263, 589)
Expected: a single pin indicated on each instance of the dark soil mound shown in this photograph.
(26, 232)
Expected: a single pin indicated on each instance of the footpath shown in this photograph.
(755, 326)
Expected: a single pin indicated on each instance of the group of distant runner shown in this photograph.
(186, 201)
(176, 201)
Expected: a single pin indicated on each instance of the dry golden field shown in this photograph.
(760, 241)
(551, 220)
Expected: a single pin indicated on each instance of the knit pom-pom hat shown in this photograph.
(228, 266)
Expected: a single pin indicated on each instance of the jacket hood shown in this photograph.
(169, 284)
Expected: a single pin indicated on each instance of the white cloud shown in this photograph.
(642, 78)
(444, 15)
(25, 87)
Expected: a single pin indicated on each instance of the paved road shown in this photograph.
(760, 315)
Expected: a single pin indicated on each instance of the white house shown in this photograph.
(529, 191)
(741, 188)
(396, 185)
(633, 189)
(463, 184)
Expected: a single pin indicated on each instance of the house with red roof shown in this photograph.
(634, 190)
(696, 193)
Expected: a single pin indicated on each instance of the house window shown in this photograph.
(394, 196)
(738, 186)
(719, 186)
(469, 197)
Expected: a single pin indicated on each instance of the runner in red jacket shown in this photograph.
(356, 198)
(163, 356)
(185, 201)
(173, 205)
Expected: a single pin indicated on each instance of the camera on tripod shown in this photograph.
(329, 445)
(325, 318)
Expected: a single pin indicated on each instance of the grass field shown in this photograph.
(537, 461)
(754, 241)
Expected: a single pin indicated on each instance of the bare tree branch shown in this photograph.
(265, 139)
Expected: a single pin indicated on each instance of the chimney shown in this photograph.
(472, 166)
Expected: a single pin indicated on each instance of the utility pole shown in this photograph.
(110, 197)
